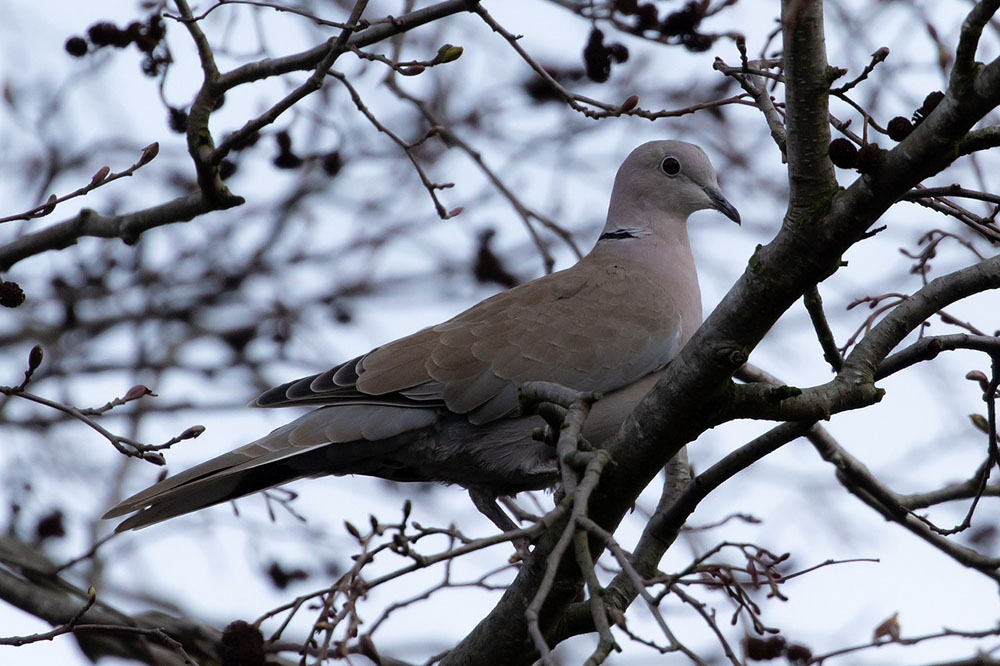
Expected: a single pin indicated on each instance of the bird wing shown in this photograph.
(591, 327)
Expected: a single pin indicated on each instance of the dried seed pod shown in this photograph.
(869, 157)
(597, 57)
(899, 128)
(242, 644)
(11, 294)
(930, 103)
(843, 153)
(76, 46)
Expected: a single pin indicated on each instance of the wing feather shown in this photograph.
(578, 327)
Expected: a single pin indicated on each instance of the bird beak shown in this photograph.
(720, 204)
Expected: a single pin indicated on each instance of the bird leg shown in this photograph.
(487, 505)
(514, 509)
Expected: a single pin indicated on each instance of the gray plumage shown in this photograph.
(441, 404)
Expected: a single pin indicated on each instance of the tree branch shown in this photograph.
(754, 85)
(927, 348)
(127, 226)
(963, 74)
(151, 638)
(860, 482)
(810, 173)
(814, 306)
(967, 489)
(866, 360)
(980, 139)
(686, 399)
(334, 48)
(308, 59)
(679, 499)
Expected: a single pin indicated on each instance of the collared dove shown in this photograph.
(441, 404)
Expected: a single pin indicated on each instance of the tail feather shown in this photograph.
(205, 492)
(346, 439)
(232, 476)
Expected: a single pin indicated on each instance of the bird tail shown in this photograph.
(174, 496)
(268, 462)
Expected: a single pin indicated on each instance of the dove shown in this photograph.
(441, 405)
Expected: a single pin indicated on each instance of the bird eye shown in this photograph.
(670, 166)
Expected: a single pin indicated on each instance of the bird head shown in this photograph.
(665, 179)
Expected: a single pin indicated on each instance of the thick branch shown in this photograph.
(928, 348)
(980, 139)
(199, 137)
(810, 173)
(304, 60)
(128, 226)
(788, 403)
(964, 72)
(680, 498)
(687, 398)
(105, 631)
(854, 385)
(866, 359)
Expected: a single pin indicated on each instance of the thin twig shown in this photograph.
(526, 214)
(102, 177)
(879, 56)
(408, 148)
(814, 306)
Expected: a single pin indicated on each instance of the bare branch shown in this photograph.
(810, 172)
(964, 71)
(583, 104)
(927, 349)
(335, 47)
(309, 59)
(907, 316)
(955, 190)
(878, 57)
(754, 84)
(102, 177)
(955, 491)
(857, 479)
(980, 139)
(150, 638)
(914, 640)
(127, 227)
(408, 149)
(526, 214)
(814, 305)
(125, 445)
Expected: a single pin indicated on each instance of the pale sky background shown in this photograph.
(210, 562)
